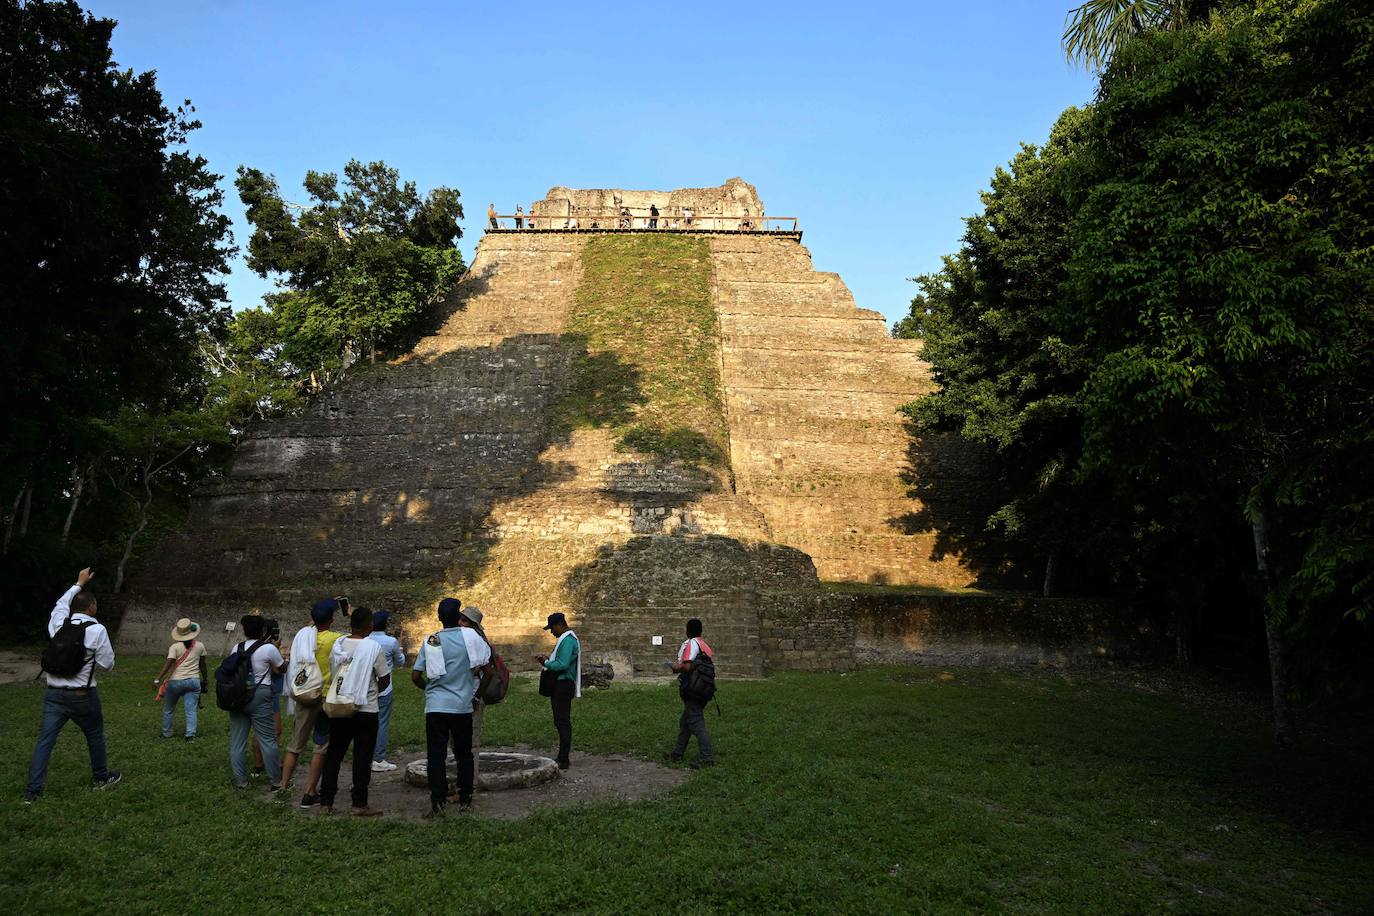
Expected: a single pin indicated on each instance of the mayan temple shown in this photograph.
(486, 461)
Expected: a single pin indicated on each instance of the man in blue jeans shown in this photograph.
(395, 658)
(76, 697)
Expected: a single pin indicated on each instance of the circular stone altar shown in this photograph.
(495, 771)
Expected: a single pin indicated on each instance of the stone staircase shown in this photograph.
(813, 385)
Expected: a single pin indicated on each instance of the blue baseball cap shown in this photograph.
(324, 609)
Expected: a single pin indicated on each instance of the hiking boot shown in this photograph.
(310, 801)
(366, 811)
(110, 779)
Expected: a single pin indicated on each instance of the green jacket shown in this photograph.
(564, 659)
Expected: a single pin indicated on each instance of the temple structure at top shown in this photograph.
(732, 207)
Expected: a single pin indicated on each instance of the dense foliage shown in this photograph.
(360, 265)
(1160, 326)
(127, 377)
(113, 243)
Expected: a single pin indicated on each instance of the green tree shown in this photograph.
(992, 319)
(360, 263)
(146, 448)
(114, 245)
(1097, 29)
(1222, 261)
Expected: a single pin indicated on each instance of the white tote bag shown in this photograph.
(338, 705)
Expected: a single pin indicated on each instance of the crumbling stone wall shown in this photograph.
(726, 204)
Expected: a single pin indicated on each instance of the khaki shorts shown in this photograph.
(304, 729)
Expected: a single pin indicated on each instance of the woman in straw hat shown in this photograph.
(187, 664)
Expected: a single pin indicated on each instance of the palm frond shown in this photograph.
(1095, 30)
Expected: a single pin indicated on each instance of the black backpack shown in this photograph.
(65, 655)
(234, 678)
(700, 684)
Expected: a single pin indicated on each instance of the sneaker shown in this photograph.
(110, 779)
(258, 771)
(381, 766)
(192, 737)
(274, 789)
(670, 757)
(366, 811)
(310, 801)
(563, 764)
(30, 798)
(703, 764)
(465, 807)
(435, 812)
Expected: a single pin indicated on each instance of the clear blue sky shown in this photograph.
(876, 123)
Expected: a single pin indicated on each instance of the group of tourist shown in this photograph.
(685, 219)
(454, 668)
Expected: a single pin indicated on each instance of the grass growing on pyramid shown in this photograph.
(649, 360)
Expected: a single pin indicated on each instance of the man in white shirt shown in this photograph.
(75, 696)
(266, 660)
(366, 678)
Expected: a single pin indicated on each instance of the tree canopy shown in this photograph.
(360, 263)
(1170, 306)
(114, 248)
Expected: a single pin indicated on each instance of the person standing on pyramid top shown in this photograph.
(491, 214)
(519, 216)
(653, 216)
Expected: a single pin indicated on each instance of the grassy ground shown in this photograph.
(878, 791)
(652, 366)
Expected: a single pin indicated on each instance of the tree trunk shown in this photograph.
(138, 529)
(1285, 729)
(1048, 587)
(77, 487)
(24, 516)
(13, 515)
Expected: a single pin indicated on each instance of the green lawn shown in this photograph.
(879, 791)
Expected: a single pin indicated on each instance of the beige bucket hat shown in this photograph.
(473, 614)
(185, 629)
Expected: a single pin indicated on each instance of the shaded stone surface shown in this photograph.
(497, 771)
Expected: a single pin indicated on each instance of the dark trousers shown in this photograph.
(81, 707)
(562, 716)
(440, 729)
(360, 730)
(653, 222)
(693, 722)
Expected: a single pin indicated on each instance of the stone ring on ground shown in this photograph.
(495, 771)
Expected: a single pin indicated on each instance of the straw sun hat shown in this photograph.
(185, 630)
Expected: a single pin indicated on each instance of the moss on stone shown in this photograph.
(646, 348)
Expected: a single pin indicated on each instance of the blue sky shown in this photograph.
(876, 123)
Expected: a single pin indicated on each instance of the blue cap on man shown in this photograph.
(324, 609)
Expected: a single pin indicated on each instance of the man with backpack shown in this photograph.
(243, 687)
(696, 672)
(494, 690)
(78, 644)
(444, 669)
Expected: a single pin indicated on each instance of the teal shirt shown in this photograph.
(564, 659)
(454, 690)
